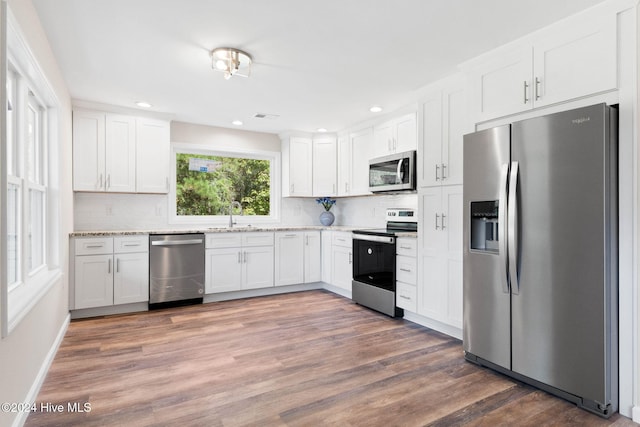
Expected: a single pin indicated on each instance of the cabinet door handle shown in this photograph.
(100, 183)
(288, 236)
(405, 247)
(437, 172)
(117, 265)
(130, 244)
(167, 183)
(95, 246)
(108, 181)
(307, 240)
(245, 258)
(239, 257)
(526, 86)
(404, 297)
(109, 266)
(444, 168)
(350, 257)
(537, 91)
(442, 222)
(406, 270)
(437, 216)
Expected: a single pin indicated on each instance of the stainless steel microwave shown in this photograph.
(393, 173)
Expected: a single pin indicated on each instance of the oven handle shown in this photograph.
(370, 238)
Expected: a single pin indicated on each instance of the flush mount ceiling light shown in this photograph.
(375, 109)
(230, 61)
(143, 104)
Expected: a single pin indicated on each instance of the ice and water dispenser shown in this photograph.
(484, 226)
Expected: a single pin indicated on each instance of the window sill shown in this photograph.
(23, 298)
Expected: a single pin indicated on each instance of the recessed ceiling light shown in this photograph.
(143, 104)
(321, 130)
(237, 122)
(375, 109)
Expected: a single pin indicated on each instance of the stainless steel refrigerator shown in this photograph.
(540, 253)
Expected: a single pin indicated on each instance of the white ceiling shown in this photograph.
(316, 63)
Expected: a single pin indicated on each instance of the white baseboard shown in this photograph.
(434, 324)
(32, 395)
(635, 414)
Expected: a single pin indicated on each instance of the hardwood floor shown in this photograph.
(303, 359)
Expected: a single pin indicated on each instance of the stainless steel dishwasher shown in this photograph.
(176, 269)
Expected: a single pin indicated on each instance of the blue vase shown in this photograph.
(327, 218)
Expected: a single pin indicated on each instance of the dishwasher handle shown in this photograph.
(176, 242)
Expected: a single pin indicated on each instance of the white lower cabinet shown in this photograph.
(297, 257)
(440, 254)
(238, 261)
(406, 273)
(312, 257)
(111, 271)
(341, 260)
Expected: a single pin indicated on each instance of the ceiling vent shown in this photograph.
(266, 116)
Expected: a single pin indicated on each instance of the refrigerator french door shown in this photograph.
(540, 264)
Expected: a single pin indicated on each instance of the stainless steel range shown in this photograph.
(374, 262)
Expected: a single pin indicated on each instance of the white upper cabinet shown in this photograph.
(396, 136)
(120, 158)
(325, 167)
(152, 154)
(360, 148)
(88, 150)
(119, 153)
(297, 166)
(574, 58)
(344, 166)
(443, 123)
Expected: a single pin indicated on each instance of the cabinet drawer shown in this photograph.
(341, 238)
(131, 244)
(407, 246)
(94, 245)
(406, 297)
(257, 239)
(406, 269)
(223, 240)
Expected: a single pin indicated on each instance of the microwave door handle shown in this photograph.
(399, 171)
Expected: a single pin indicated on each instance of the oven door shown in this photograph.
(374, 260)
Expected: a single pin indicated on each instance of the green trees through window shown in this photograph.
(206, 185)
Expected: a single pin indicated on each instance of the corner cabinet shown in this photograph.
(119, 153)
(297, 257)
(325, 167)
(297, 167)
(574, 58)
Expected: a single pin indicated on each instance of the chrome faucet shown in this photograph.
(232, 205)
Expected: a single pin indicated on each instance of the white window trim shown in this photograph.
(17, 302)
(223, 220)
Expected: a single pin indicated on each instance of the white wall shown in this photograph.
(25, 350)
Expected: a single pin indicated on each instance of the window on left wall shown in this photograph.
(31, 261)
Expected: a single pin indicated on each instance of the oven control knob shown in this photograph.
(369, 251)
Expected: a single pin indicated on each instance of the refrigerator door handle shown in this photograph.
(502, 224)
(512, 222)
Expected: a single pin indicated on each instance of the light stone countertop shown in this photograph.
(257, 228)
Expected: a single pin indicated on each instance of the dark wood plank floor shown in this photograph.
(303, 359)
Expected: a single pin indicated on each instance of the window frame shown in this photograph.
(223, 220)
(30, 90)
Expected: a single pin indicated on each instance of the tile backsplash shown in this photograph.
(110, 211)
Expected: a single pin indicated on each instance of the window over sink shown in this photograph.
(206, 182)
